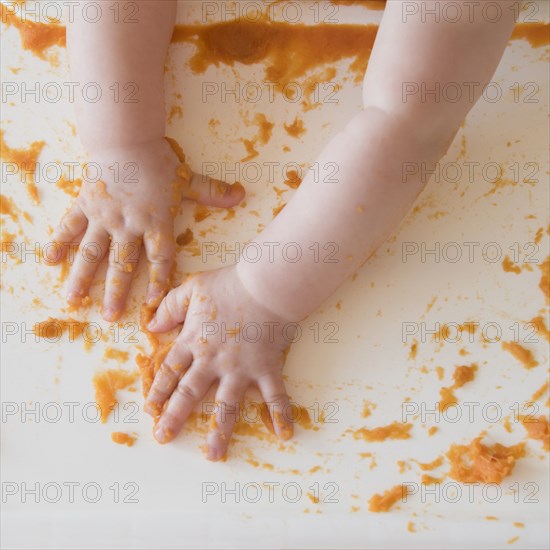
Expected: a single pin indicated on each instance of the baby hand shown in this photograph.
(214, 307)
(133, 202)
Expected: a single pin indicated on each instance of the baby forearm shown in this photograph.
(122, 57)
(337, 220)
(372, 191)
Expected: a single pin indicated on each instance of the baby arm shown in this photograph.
(133, 191)
(372, 192)
(357, 209)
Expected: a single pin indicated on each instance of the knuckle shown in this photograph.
(187, 391)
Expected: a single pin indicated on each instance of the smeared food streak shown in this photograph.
(477, 462)
(544, 284)
(106, 385)
(370, 4)
(25, 160)
(290, 50)
(540, 327)
(395, 430)
(296, 129)
(123, 438)
(537, 428)
(537, 34)
(385, 501)
(523, 355)
(462, 375)
(35, 37)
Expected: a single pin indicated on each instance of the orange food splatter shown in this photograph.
(385, 501)
(26, 161)
(116, 354)
(296, 129)
(249, 42)
(123, 438)
(106, 384)
(462, 375)
(477, 462)
(510, 267)
(541, 327)
(537, 428)
(537, 34)
(544, 284)
(35, 37)
(523, 355)
(395, 430)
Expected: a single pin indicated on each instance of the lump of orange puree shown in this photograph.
(371, 4)
(462, 375)
(537, 34)
(395, 430)
(290, 50)
(537, 428)
(36, 37)
(544, 284)
(123, 438)
(523, 355)
(385, 501)
(540, 327)
(52, 328)
(106, 384)
(477, 462)
(25, 160)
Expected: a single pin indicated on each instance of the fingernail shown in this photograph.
(234, 190)
(160, 434)
(152, 324)
(212, 453)
(74, 298)
(111, 315)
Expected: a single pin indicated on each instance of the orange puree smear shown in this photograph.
(296, 129)
(123, 439)
(52, 328)
(510, 267)
(462, 375)
(430, 480)
(477, 462)
(428, 466)
(116, 354)
(71, 187)
(537, 428)
(7, 242)
(290, 50)
(36, 37)
(106, 384)
(185, 238)
(383, 503)
(541, 327)
(544, 284)
(293, 180)
(541, 392)
(26, 160)
(524, 356)
(371, 4)
(395, 430)
(537, 34)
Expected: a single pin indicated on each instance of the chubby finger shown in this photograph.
(274, 394)
(123, 261)
(172, 310)
(176, 362)
(160, 249)
(213, 192)
(222, 422)
(92, 250)
(71, 226)
(189, 391)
